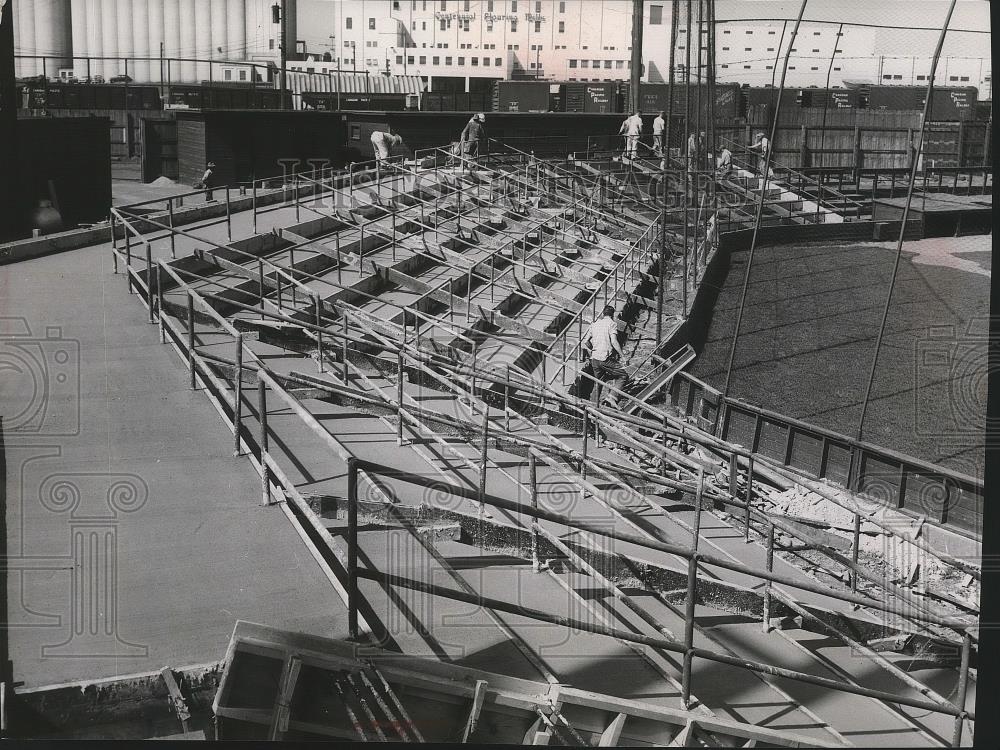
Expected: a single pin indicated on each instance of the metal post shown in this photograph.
(238, 396)
(766, 622)
(173, 237)
(697, 508)
(191, 337)
(483, 459)
(533, 486)
(343, 347)
(319, 336)
(749, 496)
(128, 258)
(149, 280)
(963, 687)
(159, 302)
(352, 548)
(260, 272)
(506, 401)
(692, 588)
(855, 544)
(229, 217)
(399, 394)
(253, 202)
(586, 441)
(265, 471)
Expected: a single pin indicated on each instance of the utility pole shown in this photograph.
(636, 53)
(10, 216)
(282, 48)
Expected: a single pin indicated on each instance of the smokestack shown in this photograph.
(636, 52)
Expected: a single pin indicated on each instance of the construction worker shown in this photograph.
(205, 183)
(761, 146)
(631, 128)
(724, 163)
(382, 144)
(602, 340)
(659, 124)
(472, 135)
(692, 153)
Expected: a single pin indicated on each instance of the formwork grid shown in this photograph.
(393, 340)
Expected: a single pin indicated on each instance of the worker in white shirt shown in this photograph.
(602, 339)
(724, 164)
(382, 144)
(631, 128)
(761, 145)
(659, 124)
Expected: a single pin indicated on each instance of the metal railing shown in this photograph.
(275, 483)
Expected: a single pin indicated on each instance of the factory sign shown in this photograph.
(454, 16)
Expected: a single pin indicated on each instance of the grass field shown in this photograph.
(808, 334)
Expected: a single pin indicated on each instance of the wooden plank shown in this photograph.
(477, 707)
(289, 679)
(610, 736)
(177, 701)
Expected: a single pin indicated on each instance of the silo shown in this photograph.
(157, 68)
(220, 30)
(52, 36)
(26, 9)
(95, 39)
(80, 46)
(236, 33)
(126, 47)
(109, 37)
(203, 38)
(140, 40)
(172, 39)
(188, 42)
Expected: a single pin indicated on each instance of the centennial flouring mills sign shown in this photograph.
(488, 17)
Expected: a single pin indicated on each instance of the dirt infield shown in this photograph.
(808, 336)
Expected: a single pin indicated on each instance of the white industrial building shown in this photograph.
(577, 40)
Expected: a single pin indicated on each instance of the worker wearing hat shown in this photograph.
(472, 135)
(207, 180)
(383, 143)
(761, 146)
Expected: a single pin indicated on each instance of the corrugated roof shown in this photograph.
(351, 83)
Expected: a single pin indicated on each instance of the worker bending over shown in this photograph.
(602, 339)
(472, 135)
(382, 144)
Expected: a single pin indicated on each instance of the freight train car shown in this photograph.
(655, 97)
(523, 96)
(947, 104)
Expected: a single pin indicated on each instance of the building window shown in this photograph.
(399, 59)
(768, 67)
(584, 63)
(465, 25)
(475, 62)
(746, 67)
(497, 61)
(270, 44)
(513, 25)
(770, 33)
(619, 64)
(395, 4)
(572, 63)
(444, 5)
(607, 64)
(562, 27)
(725, 49)
(349, 23)
(726, 31)
(748, 49)
(724, 65)
(243, 75)
(886, 78)
(597, 63)
(371, 24)
(813, 68)
(447, 61)
(952, 78)
(461, 61)
(423, 59)
(423, 25)
(486, 61)
(562, 7)
(513, 6)
(895, 77)
(815, 50)
(538, 26)
(791, 67)
(489, 26)
(409, 60)
(749, 32)
(355, 132)
(837, 69)
(964, 78)
(655, 15)
(489, 6)
(770, 49)
(229, 75)
(466, 6)
(443, 24)
(538, 6)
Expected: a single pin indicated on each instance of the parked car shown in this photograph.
(120, 79)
